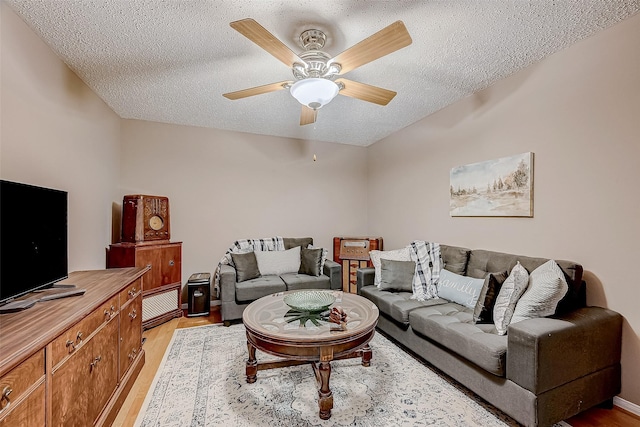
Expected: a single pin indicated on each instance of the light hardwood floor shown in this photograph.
(158, 338)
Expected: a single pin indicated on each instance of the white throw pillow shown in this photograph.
(403, 254)
(512, 289)
(547, 286)
(278, 262)
(463, 290)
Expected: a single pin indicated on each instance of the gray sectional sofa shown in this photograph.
(542, 371)
(235, 297)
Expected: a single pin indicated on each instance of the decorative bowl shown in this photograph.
(310, 301)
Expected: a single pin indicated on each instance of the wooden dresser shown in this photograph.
(72, 361)
(162, 286)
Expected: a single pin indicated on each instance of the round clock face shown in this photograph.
(156, 223)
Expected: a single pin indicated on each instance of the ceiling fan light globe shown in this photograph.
(314, 92)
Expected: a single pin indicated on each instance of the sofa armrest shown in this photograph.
(334, 271)
(227, 283)
(548, 352)
(365, 277)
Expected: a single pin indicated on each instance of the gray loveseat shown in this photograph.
(235, 297)
(542, 371)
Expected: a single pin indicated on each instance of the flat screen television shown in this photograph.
(33, 238)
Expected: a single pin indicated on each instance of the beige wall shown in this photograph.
(224, 186)
(57, 133)
(579, 112)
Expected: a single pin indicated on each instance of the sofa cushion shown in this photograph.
(455, 258)
(459, 289)
(295, 281)
(483, 311)
(403, 254)
(246, 266)
(396, 305)
(547, 286)
(310, 261)
(482, 262)
(397, 275)
(253, 289)
(511, 291)
(278, 262)
(451, 325)
(292, 242)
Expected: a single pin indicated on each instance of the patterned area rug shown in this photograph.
(202, 382)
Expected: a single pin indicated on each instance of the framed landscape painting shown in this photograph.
(500, 187)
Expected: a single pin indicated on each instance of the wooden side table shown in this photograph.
(162, 285)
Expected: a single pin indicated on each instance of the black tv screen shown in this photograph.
(33, 238)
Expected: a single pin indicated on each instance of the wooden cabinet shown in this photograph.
(161, 287)
(82, 384)
(68, 362)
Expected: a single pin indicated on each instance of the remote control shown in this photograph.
(69, 293)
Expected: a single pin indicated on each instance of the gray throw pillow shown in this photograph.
(511, 291)
(310, 262)
(397, 275)
(483, 312)
(246, 266)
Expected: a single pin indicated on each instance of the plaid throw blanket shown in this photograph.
(427, 258)
(243, 246)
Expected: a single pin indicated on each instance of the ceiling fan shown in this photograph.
(316, 73)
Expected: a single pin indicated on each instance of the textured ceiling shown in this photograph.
(170, 61)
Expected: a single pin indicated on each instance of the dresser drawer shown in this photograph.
(28, 412)
(20, 379)
(73, 338)
(132, 291)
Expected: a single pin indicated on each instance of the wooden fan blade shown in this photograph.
(365, 92)
(259, 90)
(307, 115)
(384, 42)
(263, 38)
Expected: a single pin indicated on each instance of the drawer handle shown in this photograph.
(79, 336)
(172, 263)
(94, 363)
(133, 314)
(71, 345)
(5, 397)
(132, 292)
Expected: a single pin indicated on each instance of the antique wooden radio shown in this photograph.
(353, 253)
(145, 218)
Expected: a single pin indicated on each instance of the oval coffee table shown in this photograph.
(268, 330)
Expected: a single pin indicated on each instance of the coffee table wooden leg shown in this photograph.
(252, 364)
(366, 356)
(325, 397)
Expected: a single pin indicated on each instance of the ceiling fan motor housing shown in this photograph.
(315, 60)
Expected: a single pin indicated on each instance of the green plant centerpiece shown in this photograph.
(312, 306)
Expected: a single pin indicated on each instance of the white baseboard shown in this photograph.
(626, 405)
